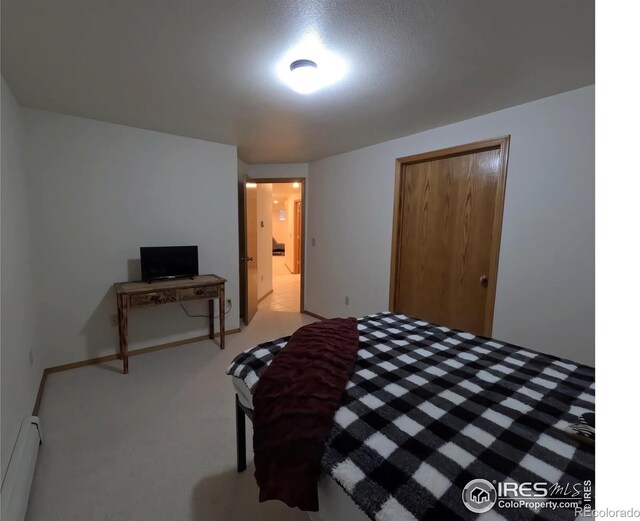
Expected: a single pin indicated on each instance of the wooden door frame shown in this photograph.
(242, 246)
(302, 181)
(501, 144)
(245, 257)
(297, 226)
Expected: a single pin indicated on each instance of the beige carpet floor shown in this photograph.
(156, 445)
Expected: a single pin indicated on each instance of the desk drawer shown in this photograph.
(152, 299)
(203, 292)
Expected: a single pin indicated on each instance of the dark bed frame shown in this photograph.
(241, 434)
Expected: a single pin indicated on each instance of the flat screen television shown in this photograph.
(168, 262)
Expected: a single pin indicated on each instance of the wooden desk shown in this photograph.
(131, 295)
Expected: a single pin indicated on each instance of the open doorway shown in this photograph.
(272, 259)
(286, 234)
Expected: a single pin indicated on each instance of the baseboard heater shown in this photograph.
(17, 481)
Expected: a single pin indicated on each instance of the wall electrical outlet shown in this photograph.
(113, 320)
(313, 241)
(30, 357)
(228, 302)
(346, 301)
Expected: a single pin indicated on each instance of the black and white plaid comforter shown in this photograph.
(428, 409)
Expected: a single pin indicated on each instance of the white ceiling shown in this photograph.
(206, 68)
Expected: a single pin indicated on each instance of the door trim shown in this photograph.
(501, 144)
(303, 195)
(242, 247)
(297, 227)
(244, 257)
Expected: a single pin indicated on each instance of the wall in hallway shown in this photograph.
(279, 227)
(289, 240)
(290, 170)
(264, 225)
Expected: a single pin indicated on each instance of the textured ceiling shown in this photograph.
(207, 68)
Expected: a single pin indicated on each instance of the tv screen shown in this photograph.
(166, 262)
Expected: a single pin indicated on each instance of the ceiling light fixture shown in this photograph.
(252, 185)
(296, 185)
(275, 202)
(308, 66)
(304, 76)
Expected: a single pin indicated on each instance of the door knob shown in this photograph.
(484, 281)
(249, 259)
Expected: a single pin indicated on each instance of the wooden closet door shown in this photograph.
(449, 220)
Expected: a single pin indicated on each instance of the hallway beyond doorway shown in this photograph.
(272, 221)
(286, 289)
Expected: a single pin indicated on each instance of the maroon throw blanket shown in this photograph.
(294, 402)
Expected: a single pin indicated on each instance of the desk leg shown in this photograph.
(221, 305)
(212, 327)
(123, 311)
(119, 306)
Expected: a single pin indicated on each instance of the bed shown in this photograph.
(429, 409)
(335, 504)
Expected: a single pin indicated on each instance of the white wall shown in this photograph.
(242, 169)
(265, 233)
(99, 192)
(291, 170)
(20, 375)
(545, 294)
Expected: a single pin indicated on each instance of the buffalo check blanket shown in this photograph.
(429, 409)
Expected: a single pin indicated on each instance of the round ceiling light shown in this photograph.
(319, 69)
(304, 76)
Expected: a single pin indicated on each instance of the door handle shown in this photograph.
(484, 281)
(249, 259)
